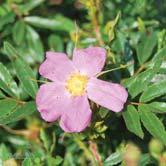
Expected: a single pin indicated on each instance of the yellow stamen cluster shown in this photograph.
(76, 84)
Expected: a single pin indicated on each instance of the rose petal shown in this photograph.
(56, 67)
(51, 101)
(90, 60)
(109, 95)
(77, 116)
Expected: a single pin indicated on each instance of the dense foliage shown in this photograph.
(133, 34)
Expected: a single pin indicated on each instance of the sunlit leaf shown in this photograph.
(152, 123)
(54, 161)
(23, 70)
(153, 91)
(146, 46)
(158, 107)
(113, 159)
(6, 82)
(56, 23)
(5, 154)
(27, 162)
(26, 76)
(55, 43)
(35, 44)
(45, 139)
(19, 32)
(6, 106)
(158, 58)
(21, 111)
(10, 51)
(132, 121)
(140, 82)
(145, 160)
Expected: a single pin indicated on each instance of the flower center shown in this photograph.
(76, 84)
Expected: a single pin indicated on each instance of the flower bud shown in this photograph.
(132, 155)
(155, 148)
(162, 159)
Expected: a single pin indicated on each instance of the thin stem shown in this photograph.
(82, 146)
(41, 81)
(97, 31)
(30, 134)
(135, 103)
(140, 69)
(53, 142)
(76, 34)
(18, 101)
(12, 131)
(117, 68)
(93, 147)
(95, 21)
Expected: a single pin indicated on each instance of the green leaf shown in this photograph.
(158, 107)
(4, 153)
(113, 159)
(56, 23)
(162, 70)
(19, 32)
(128, 81)
(140, 82)
(35, 45)
(23, 94)
(137, 84)
(152, 123)
(161, 38)
(6, 82)
(132, 120)
(110, 27)
(46, 141)
(128, 56)
(145, 47)
(145, 160)
(119, 43)
(31, 4)
(103, 112)
(69, 48)
(88, 41)
(7, 105)
(153, 91)
(1, 95)
(21, 111)
(10, 51)
(55, 43)
(24, 72)
(158, 59)
(6, 19)
(2, 10)
(27, 162)
(26, 75)
(68, 159)
(54, 161)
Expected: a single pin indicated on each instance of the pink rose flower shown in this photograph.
(73, 82)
